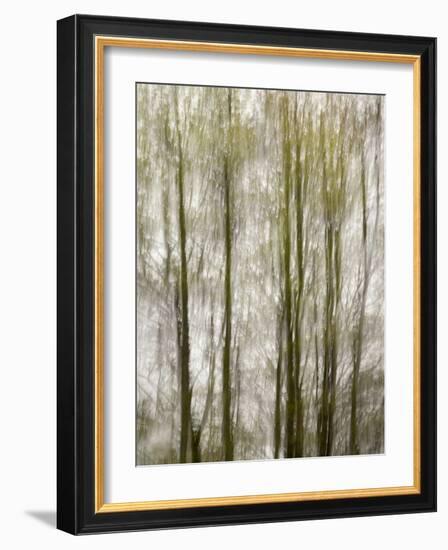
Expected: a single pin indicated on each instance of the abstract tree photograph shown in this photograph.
(259, 274)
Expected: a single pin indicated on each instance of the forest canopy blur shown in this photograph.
(260, 274)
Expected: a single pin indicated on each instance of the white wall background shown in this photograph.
(28, 272)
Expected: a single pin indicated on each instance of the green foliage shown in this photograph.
(259, 274)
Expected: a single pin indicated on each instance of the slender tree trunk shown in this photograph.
(185, 330)
(290, 380)
(333, 194)
(316, 347)
(226, 379)
(209, 408)
(334, 336)
(358, 334)
(236, 401)
(299, 303)
(358, 337)
(278, 390)
(325, 420)
(354, 445)
(299, 427)
(327, 344)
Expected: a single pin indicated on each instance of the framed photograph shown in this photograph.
(246, 274)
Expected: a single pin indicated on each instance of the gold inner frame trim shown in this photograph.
(101, 42)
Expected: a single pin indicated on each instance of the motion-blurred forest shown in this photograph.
(259, 274)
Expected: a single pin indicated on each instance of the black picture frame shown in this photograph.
(76, 273)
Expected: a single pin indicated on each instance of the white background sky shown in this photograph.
(27, 278)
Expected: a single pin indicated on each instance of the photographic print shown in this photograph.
(259, 274)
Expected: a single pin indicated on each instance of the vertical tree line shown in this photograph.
(259, 274)
(226, 375)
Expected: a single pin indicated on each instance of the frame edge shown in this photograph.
(66, 516)
(73, 516)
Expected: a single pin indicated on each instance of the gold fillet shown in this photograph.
(255, 499)
(417, 273)
(99, 279)
(111, 41)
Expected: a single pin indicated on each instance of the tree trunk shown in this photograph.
(185, 330)
(278, 390)
(226, 378)
(299, 303)
(290, 380)
(358, 337)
